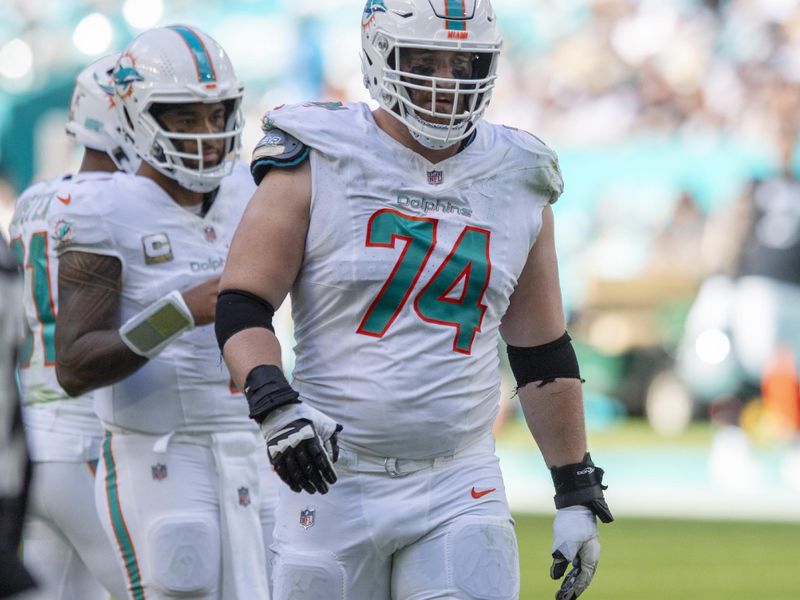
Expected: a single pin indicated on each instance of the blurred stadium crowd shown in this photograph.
(663, 113)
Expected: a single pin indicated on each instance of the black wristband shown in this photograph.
(266, 389)
(581, 484)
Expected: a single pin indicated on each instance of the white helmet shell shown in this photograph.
(93, 119)
(178, 65)
(389, 27)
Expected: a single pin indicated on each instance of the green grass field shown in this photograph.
(658, 559)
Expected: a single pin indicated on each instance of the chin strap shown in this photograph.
(432, 143)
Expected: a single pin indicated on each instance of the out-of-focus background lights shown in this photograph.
(142, 14)
(93, 34)
(16, 59)
(712, 346)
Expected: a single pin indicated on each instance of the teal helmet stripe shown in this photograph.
(202, 60)
(455, 9)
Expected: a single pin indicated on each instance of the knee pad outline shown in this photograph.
(476, 544)
(311, 574)
(185, 554)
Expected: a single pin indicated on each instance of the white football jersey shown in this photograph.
(58, 427)
(407, 273)
(162, 247)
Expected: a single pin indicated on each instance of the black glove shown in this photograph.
(301, 441)
(302, 446)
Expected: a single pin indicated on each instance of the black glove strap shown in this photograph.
(581, 484)
(266, 389)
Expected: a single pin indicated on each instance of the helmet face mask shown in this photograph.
(440, 107)
(180, 67)
(93, 121)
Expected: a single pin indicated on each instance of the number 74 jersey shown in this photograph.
(408, 270)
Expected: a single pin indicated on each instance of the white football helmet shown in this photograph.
(93, 117)
(178, 65)
(391, 27)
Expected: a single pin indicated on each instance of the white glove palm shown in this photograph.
(574, 541)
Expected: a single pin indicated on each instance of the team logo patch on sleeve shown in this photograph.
(244, 496)
(307, 517)
(62, 233)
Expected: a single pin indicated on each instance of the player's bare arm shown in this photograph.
(553, 408)
(264, 259)
(89, 350)
(263, 263)
(554, 412)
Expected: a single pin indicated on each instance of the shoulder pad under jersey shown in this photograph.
(276, 149)
(540, 161)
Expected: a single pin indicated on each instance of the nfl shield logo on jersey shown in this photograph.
(435, 177)
(159, 471)
(211, 234)
(307, 517)
(244, 496)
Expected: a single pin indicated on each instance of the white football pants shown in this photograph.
(65, 546)
(178, 509)
(400, 529)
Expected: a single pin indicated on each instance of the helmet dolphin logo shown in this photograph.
(125, 76)
(372, 7)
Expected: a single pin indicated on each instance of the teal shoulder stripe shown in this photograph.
(118, 523)
(202, 60)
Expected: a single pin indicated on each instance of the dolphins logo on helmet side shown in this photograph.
(372, 7)
(125, 75)
(93, 121)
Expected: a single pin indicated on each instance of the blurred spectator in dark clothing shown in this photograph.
(14, 465)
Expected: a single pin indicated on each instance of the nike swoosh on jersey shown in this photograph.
(480, 494)
(65, 201)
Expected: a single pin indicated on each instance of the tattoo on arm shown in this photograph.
(89, 350)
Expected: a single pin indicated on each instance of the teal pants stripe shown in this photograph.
(121, 533)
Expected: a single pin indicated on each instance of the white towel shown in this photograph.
(244, 565)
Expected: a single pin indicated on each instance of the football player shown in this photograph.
(427, 232)
(65, 545)
(180, 487)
